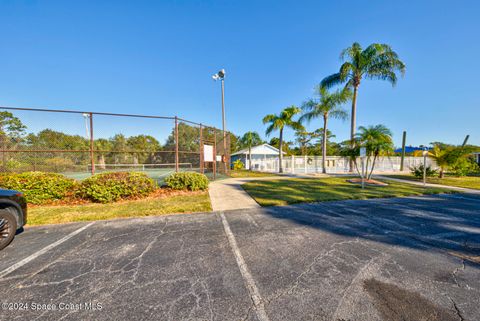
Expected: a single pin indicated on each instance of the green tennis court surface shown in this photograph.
(155, 171)
(158, 174)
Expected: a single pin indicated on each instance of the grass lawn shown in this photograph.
(246, 173)
(466, 181)
(184, 203)
(296, 190)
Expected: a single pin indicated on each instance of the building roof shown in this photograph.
(263, 149)
(410, 149)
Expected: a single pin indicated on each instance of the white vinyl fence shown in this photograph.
(334, 164)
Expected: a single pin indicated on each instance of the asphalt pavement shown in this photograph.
(387, 259)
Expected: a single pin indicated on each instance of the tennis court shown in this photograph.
(156, 171)
(76, 141)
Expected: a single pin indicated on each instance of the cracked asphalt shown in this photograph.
(387, 259)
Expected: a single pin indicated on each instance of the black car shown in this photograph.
(13, 215)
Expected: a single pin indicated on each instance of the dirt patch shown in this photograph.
(367, 182)
(397, 304)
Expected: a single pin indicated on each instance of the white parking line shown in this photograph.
(247, 277)
(42, 251)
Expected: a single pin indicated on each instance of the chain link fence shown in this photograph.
(79, 144)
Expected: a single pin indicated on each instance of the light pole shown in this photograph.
(221, 76)
(86, 117)
(425, 153)
(363, 155)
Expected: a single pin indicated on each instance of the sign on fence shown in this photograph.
(207, 153)
(363, 152)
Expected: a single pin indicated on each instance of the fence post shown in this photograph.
(305, 163)
(293, 164)
(92, 156)
(404, 140)
(4, 156)
(176, 144)
(201, 149)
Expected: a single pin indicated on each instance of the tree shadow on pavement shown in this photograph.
(448, 223)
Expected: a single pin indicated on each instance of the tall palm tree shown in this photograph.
(279, 122)
(250, 139)
(326, 105)
(377, 140)
(377, 61)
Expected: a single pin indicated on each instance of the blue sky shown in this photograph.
(157, 57)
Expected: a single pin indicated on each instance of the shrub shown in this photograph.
(417, 171)
(464, 166)
(38, 187)
(187, 180)
(111, 187)
(238, 165)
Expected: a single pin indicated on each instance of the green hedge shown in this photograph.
(38, 187)
(187, 180)
(111, 187)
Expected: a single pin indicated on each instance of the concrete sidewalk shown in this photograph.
(228, 194)
(455, 188)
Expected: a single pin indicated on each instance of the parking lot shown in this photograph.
(386, 259)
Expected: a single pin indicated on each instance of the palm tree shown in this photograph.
(441, 157)
(326, 105)
(377, 140)
(377, 61)
(444, 156)
(279, 122)
(249, 139)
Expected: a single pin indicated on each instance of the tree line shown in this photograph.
(55, 150)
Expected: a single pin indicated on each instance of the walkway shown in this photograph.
(228, 194)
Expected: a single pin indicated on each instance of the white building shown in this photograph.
(260, 154)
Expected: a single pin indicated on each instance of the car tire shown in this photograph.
(8, 228)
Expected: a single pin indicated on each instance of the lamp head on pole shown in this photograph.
(219, 75)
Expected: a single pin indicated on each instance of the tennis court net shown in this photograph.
(139, 167)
